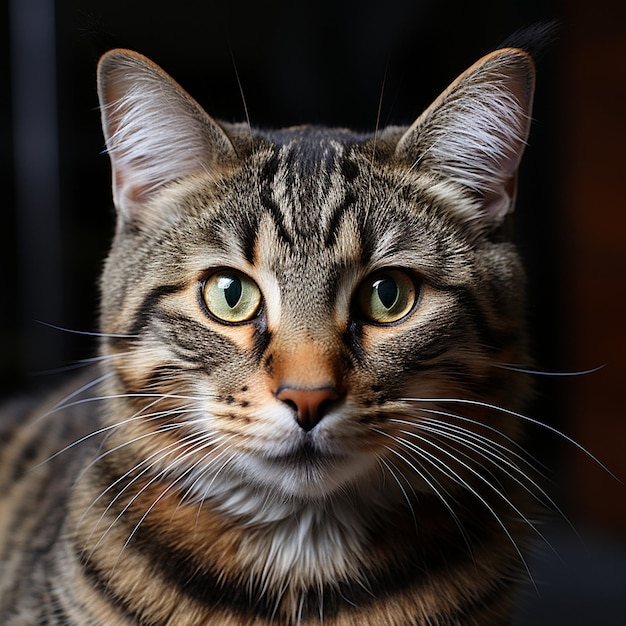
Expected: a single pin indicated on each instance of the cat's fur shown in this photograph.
(308, 462)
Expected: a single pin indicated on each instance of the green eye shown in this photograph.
(386, 296)
(231, 296)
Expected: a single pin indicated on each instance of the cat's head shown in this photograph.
(309, 309)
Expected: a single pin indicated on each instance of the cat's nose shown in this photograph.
(311, 405)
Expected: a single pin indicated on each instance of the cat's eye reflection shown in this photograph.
(386, 296)
(231, 296)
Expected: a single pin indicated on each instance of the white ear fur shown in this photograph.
(155, 132)
(474, 134)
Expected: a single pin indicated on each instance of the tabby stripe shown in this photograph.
(183, 571)
(212, 593)
(248, 235)
(336, 218)
(269, 173)
(150, 301)
(262, 338)
(188, 335)
(99, 582)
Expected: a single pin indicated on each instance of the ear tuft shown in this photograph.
(474, 134)
(155, 132)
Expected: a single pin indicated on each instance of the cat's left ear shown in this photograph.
(474, 134)
(155, 132)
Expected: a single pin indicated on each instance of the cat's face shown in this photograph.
(297, 310)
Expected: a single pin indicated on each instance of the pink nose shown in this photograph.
(310, 404)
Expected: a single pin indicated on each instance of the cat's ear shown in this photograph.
(155, 132)
(474, 134)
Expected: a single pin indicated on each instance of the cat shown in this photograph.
(303, 411)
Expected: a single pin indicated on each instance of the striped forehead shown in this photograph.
(306, 189)
(311, 203)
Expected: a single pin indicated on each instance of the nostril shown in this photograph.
(290, 403)
(310, 405)
(324, 407)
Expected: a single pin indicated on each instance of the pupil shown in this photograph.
(387, 292)
(232, 290)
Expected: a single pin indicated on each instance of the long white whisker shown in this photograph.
(147, 460)
(422, 474)
(172, 448)
(138, 416)
(170, 486)
(437, 462)
(158, 396)
(206, 469)
(522, 417)
(496, 447)
(86, 332)
(488, 452)
(61, 404)
(524, 370)
(399, 483)
(243, 97)
(374, 145)
(523, 454)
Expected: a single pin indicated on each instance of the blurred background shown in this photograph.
(326, 62)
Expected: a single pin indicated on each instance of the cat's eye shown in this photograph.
(231, 296)
(387, 296)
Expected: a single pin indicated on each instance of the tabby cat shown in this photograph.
(305, 410)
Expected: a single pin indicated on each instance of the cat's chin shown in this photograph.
(305, 474)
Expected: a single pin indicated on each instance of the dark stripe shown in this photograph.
(54, 611)
(194, 579)
(248, 234)
(349, 171)
(268, 175)
(353, 338)
(195, 343)
(99, 582)
(262, 338)
(150, 302)
(336, 218)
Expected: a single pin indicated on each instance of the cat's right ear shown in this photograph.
(155, 132)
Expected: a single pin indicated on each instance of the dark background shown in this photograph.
(325, 62)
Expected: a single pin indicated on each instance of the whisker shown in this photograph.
(148, 461)
(61, 404)
(373, 158)
(453, 475)
(139, 415)
(524, 370)
(163, 493)
(158, 396)
(203, 473)
(522, 417)
(394, 476)
(421, 473)
(145, 461)
(524, 456)
(86, 332)
(243, 97)
(487, 452)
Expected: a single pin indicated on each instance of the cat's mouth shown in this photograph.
(307, 468)
(307, 455)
